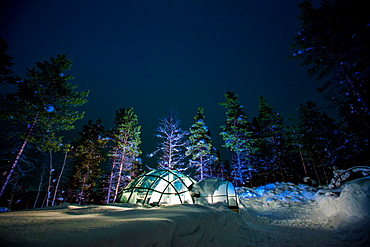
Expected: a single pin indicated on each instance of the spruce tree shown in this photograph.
(269, 131)
(41, 107)
(237, 135)
(124, 152)
(200, 148)
(89, 153)
(170, 150)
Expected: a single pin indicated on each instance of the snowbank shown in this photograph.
(276, 196)
(353, 200)
(340, 214)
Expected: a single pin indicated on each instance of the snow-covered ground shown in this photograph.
(280, 214)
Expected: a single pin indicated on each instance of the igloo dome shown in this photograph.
(158, 187)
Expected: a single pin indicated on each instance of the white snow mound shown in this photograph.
(353, 201)
(277, 195)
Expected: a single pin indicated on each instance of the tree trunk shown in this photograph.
(49, 180)
(277, 156)
(59, 178)
(325, 173)
(20, 151)
(40, 185)
(110, 183)
(81, 195)
(304, 165)
(119, 178)
(314, 167)
(201, 168)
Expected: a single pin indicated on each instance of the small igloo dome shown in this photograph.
(158, 187)
(213, 190)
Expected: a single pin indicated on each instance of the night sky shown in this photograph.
(157, 55)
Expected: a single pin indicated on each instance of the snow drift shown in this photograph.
(353, 200)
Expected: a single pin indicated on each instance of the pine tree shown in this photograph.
(171, 148)
(42, 106)
(200, 148)
(269, 131)
(124, 153)
(89, 153)
(237, 135)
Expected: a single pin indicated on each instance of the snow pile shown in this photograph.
(342, 214)
(277, 195)
(348, 210)
(353, 200)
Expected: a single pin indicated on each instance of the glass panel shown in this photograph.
(133, 182)
(154, 198)
(140, 181)
(187, 181)
(232, 201)
(156, 182)
(124, 196)
(230, 189)
(138, 195)
(178, 185)
(160, 185)
(231, 195)
(170, 199)
(148, 182)
(220, 198)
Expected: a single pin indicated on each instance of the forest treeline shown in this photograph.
(39, 169)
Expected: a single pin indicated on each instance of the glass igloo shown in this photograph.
(213, 190)
(158, 187)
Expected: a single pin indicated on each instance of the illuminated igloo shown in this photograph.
(158, 187)
(169, 187)
(213, 190)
